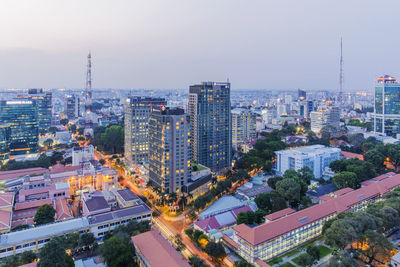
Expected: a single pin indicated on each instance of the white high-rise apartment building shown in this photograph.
(243, 126)
(325, 117)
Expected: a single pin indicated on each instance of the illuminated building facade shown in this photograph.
(169, 149)
(210, 118)
(387, 106)
(43, 105)
(5, 137)
(328, 117)
(288, 231)
(22, 116)
(71, 107)
(243, 127)
(137, 113)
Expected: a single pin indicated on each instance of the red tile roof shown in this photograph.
(229, 240)
(62, 210)
(32, 204)
(61, 168)
(208, 224)
(350, 155)
(279, 214)
(342, 191)
(6, 199)
(7, 175)
(270, 230)
(5, 219)
(157, 251)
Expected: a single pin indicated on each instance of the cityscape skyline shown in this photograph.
(130, 50)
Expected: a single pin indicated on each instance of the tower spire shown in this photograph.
(341, 77)
(88, 93)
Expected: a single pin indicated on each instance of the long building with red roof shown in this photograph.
(277, 236)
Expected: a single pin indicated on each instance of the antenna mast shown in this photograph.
(88, 93)
(341, 78)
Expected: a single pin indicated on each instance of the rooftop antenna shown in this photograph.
(341, 77)
(88, 92)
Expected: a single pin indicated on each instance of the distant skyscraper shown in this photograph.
(137, 113)
(44, 106)
(387, 106)
(243, 126)
(325, 117)
(210, 118)
(71, 107)
(306, 107)
(22, 115)
(169, 149)
(302, 95)
(5, 139)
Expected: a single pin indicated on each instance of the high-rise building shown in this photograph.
(306, 107)
(22, 115)
(329, 117)
(137, 113)
(5, 139)
(72, 107)
(210, 118)
(43, 105)
(302, 95)
(387, 106)
(169, 149)
(243, 126)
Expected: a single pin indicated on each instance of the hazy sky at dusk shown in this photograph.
(280, 44)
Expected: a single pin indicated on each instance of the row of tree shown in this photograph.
(43, 161)
(109, 139)
(364, 230)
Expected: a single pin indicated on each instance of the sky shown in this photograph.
(257, 44)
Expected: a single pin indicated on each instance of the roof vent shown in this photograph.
(303, 220)
(361, 196)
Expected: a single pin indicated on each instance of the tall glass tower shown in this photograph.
(22, 115)
(387, 106)
(44, 106)
(210, 119)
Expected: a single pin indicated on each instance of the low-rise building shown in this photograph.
(126, 198)
(154, 250)
(315, 157)
(278, 236)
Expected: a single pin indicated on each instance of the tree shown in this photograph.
(53, 130)
(393, 152)
(215, 250)
(196, 261)
(86, 240)
(44, 214)
(117, 251)
(72, 128)
(305, 260)
(376, 158)
(102, 161)
(242, 263)
(377, 244)
(48, 142)
(64, 121)
(246, 217)
(341, 259)
(27, 257)
(263, 201)
(340, 233)
(53, 254)
(179, 242)
(313, 251)
(306, 174)
(110, 139)
(289, 189)
(273, 180)
(345, 179)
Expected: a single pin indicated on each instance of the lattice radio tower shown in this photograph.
(88, 92)
(341, 75)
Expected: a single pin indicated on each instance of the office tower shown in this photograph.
(243, 126)
(329, 117)
(268, 115)
(137, 113)
(387, 106)
(301, 94)
(306, 107)
(5, 138)
(71, 107)
(169, 148)
(22, 115)
(43, 105)
(210, 118)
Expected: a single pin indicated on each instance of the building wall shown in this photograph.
(169, 149)
(137, 114)
(210, 116)
(243, 127)
(22, 115)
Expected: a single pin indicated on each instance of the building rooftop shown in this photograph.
(7, 175)
(271, 230)
(136, 210)
(32, 204)
(166, 255)
(223, 204)
(306, 150)
(349, 155)
(43, 231)
(96, 201)
(279, 214)
(5, 219)
(6, 199)
(127, 195)
(62, 210)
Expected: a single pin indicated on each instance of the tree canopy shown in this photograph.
(44, 214)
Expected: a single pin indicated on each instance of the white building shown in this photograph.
(325, 117)
(80, 155)
(316, 157)
(243, 126)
